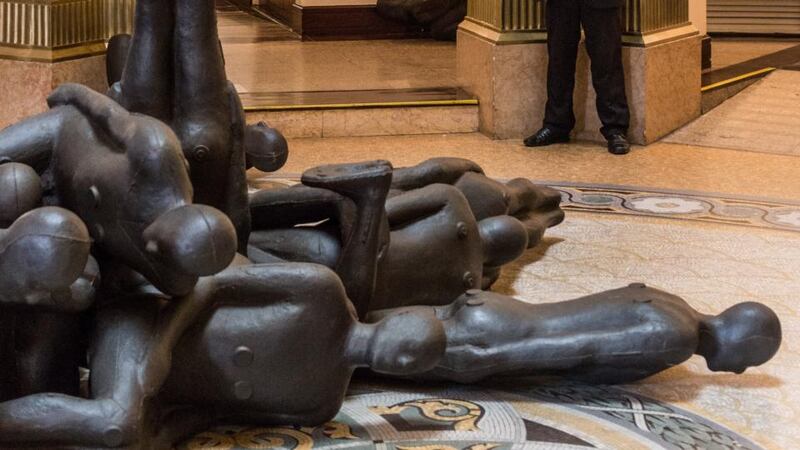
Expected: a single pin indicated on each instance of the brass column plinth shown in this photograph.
(502, 60)
(507, 21)
(59, 30)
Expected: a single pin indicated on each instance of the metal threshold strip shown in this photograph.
(378, 98)
(738, 78)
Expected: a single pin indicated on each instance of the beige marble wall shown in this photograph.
(371, 121)
(663, 85)
(25, 85)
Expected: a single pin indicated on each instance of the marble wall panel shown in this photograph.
(25, 85)
(520, 89)
(293, 124)
(371, 121)
(475, 68)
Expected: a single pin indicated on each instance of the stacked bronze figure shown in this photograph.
(130, 246)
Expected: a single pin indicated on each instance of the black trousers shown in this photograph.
(603, 32)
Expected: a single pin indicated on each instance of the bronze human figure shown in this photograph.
(617, 336)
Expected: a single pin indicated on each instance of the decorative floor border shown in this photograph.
(506, 415)
(683, 205)
(652, 202)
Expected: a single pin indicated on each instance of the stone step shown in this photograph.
(721, 84)
(364, 113)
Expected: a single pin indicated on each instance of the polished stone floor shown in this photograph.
(264, 57)
(352, 65)
(763, 118)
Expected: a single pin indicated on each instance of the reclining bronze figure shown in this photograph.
(192, 319)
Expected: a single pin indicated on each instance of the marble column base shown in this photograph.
(510, 81)
(25, 85)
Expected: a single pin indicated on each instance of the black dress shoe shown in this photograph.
(544, 137)
(618, 144)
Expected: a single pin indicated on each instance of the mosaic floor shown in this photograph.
(714, 251)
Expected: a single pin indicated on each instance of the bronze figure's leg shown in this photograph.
(209, 118)
(367, 185)
(200, 80)
(116, 57)
(433, 171)
(147, 80)
(278, 213)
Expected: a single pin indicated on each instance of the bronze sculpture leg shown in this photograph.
(147, 78)
(367, 186)
(352, 196)
(209, 119)
(276, 216)
(175, 72)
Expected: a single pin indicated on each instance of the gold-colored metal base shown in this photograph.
(736, 79)
(660, 37)
(47, 55)
(645, 22)
(484, 32)
(60, 30)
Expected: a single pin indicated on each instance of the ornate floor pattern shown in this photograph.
(748, 211)
(569, 416)
(613, 236)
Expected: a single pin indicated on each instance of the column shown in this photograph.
(502, 59)
(44, 43)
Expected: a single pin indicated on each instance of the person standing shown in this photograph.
(603, 29)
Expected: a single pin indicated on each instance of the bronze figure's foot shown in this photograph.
(360, 182)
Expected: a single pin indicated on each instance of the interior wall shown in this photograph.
(698, 14)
